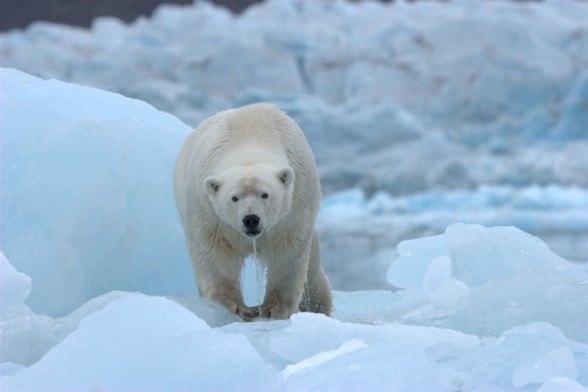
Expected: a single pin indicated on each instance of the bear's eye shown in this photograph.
(235, 199)
(264, 195)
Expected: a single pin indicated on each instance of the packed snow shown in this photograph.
(452, 172)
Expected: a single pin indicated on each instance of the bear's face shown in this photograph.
(252, 198)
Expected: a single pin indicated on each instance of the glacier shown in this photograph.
(452, 144)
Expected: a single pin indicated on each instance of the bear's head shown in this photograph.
(251, 198)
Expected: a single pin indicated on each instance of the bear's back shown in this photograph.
(261, 124)
(248, 135)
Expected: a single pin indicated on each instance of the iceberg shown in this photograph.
(486, 280)
(499, 252)
(86, 180)
(380, 222)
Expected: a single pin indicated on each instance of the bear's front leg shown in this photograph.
(235, 305)
(286, 277)
(279, 305)
(217, 275)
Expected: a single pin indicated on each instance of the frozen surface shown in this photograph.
(323, 357)
(353, 227)
(487, 280)
(557, 363)
(97, 291)
(477, 308)
(86, 188)
(373, 342)
(146, 343)
(472, 254)
(12, 296)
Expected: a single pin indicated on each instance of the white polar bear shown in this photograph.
(248, 175)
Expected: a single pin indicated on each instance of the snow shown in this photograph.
(96, 287)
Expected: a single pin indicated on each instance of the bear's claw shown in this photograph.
(276, 312)
(247, 313)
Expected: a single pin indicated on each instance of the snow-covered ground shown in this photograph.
(420, 116)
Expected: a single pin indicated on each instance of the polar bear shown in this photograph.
(248, 176)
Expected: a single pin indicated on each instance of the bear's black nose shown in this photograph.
(251, 221)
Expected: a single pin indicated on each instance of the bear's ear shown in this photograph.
(286, 176)
(211, 185)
